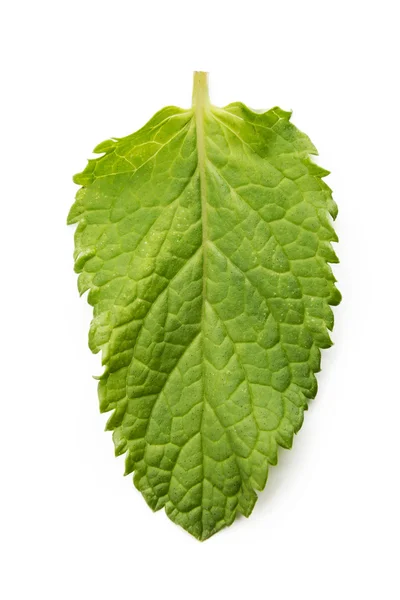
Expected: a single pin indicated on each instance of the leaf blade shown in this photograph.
(204, 241)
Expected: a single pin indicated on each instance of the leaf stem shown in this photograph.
(200, 97)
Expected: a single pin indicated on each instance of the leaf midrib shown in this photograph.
(200, 103)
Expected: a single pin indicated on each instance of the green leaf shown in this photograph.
(204, 240)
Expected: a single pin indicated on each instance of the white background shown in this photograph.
(75, 73)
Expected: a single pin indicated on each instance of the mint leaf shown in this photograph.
(204, 241)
